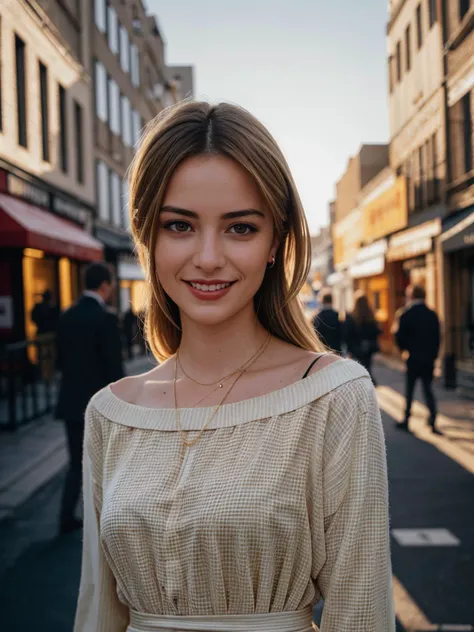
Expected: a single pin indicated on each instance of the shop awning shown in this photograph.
(459, 234)
(23, 225)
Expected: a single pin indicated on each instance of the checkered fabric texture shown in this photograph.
(283, 500)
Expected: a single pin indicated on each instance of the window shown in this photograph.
(419, 27)
(62, 128)
(124, 49)
(115, 195)
(399, 62)
(125, 215)
(100, 87)
(21, 91)
(464, 6)
(79, 129)
(126, 122)
(112, 30)
(43, 80)
(103, 197)
(135, 65)
(467, 131)
(432, 8)
(408, 48)
(429, 171)
(100, 15)
(136, 128)
(114, 106)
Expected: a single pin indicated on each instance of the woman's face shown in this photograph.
(214, 240)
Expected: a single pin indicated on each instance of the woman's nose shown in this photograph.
(209, 254)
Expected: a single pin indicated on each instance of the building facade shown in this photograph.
(417, 139)
(131, 85)
(348, 221)
(47, 193)
(456, 244)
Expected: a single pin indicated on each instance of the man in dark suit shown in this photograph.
(327, 324)
(90, 357)
(419, 334)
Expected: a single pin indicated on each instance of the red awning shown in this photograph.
(23, 225)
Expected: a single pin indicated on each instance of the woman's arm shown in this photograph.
(98, 608)
(356, 579)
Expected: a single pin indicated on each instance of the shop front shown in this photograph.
(118, 246)
(412, 258)
(40, 253)
(457, 243)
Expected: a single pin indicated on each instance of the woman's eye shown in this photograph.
(243, 229)
(178, 227)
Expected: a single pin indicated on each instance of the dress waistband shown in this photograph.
(298, 621)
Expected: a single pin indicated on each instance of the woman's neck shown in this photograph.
(208, 352)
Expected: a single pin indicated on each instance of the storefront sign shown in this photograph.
(460, 236)
(28, 191)
(386, 213)
(69, 209)
(47, 199)
(414, 241)
(347, 237)
(370, 261)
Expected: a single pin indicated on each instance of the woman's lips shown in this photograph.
(209, 295)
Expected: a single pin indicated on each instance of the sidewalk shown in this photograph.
(37, 453)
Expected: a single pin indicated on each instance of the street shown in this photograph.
(432, 525)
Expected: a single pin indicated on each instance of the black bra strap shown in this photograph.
(311, 366)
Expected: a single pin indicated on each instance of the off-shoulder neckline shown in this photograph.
(277, 402)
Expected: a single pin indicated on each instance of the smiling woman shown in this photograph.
(241, 513)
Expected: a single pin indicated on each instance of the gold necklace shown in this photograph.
(222, 380)
(192, 442)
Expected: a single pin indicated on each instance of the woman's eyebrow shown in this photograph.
(231, 215)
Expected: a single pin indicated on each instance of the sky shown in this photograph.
(313, 71)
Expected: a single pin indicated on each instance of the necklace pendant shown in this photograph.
(221, 386)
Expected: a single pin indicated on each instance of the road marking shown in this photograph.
(394, 405)
(425, 537)
(407, 611)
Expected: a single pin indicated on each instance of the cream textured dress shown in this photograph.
(283, 500)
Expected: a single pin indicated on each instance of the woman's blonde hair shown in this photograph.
(193, 128)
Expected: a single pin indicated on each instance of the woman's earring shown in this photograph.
(271, 263)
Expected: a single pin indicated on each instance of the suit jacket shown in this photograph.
(329, 328)
(419, 334)
(89, 355)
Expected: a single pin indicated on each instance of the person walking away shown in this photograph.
(327, 324)
(362, 332)
(89, 357)
(419, 335)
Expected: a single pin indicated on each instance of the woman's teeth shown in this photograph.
(209, 288)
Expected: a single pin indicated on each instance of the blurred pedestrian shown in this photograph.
(362, 332)
(89, 357)
(327, 323)
(45, 315)
(419, 335)
(245, 475)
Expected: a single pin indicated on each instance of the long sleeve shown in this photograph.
(98, 609)
(355, 579)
